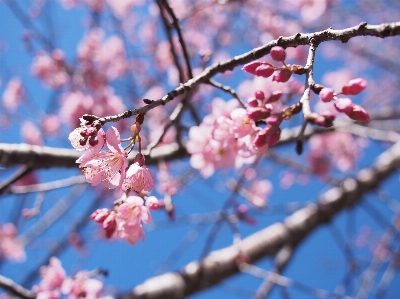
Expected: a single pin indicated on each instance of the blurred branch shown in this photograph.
(15, 289)
(15, 177)
(219, 265)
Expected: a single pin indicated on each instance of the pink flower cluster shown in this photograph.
(109, 166)
(55, 283)
(335, 149)
(229, 135)
(345, 105)
(11, 247)
(125, 222)
(13, 94)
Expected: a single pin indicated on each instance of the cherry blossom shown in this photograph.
(108, 166)
(138, 178)
(11, 247)
(13, 94)
(82, 285)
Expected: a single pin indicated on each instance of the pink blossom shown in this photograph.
(51, 124)
(52, 276)
(152, 203)
(138, 178)
(50, 68)
(242, 125)
(13, 94)
(130, 232)
(11, 247)
(222, 128)
(133, 211)
(87, 137)
(258, 193)
(82, 286)
(31, 133)
(108, 166)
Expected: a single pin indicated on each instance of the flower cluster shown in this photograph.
(231, 136)
(55, 283)
(125, 221)
(345, 105)
(110, 167)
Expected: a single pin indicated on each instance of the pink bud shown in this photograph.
(325, 119)
(139, 159)
(251, 67)
(344, 105)
(274, 120)
(110, 225)
(257, 113)
(152, 203)
(261, 139)
(100, 215)
(259, 94)
(354, 86)
(326, 94)
(265, 70)
(275, 96)
(278, 53)
(359, 114)
(282, 76)
(274, 137)
(253, 102)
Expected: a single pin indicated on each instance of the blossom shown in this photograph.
(139, 177)
(82, 286)
(108, 166)
(86, 137)
(13, 94)
(11, 246)
(133, 211)
(52, 276)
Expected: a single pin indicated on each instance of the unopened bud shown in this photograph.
(326, 94)
(282, 76)
(354, 86)
(278, 53)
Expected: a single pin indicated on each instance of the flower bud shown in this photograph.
(278, 53)
(282, 76)
(264, 70)
(344, 105)
(259, 94)
(358, 113)
(354, 86)
(275, 96)
(258, 113)
(326, 94)
(110, 225)
(253, 102)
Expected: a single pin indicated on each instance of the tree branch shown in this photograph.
(299, 39)
(219, 265)
(15, 289)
